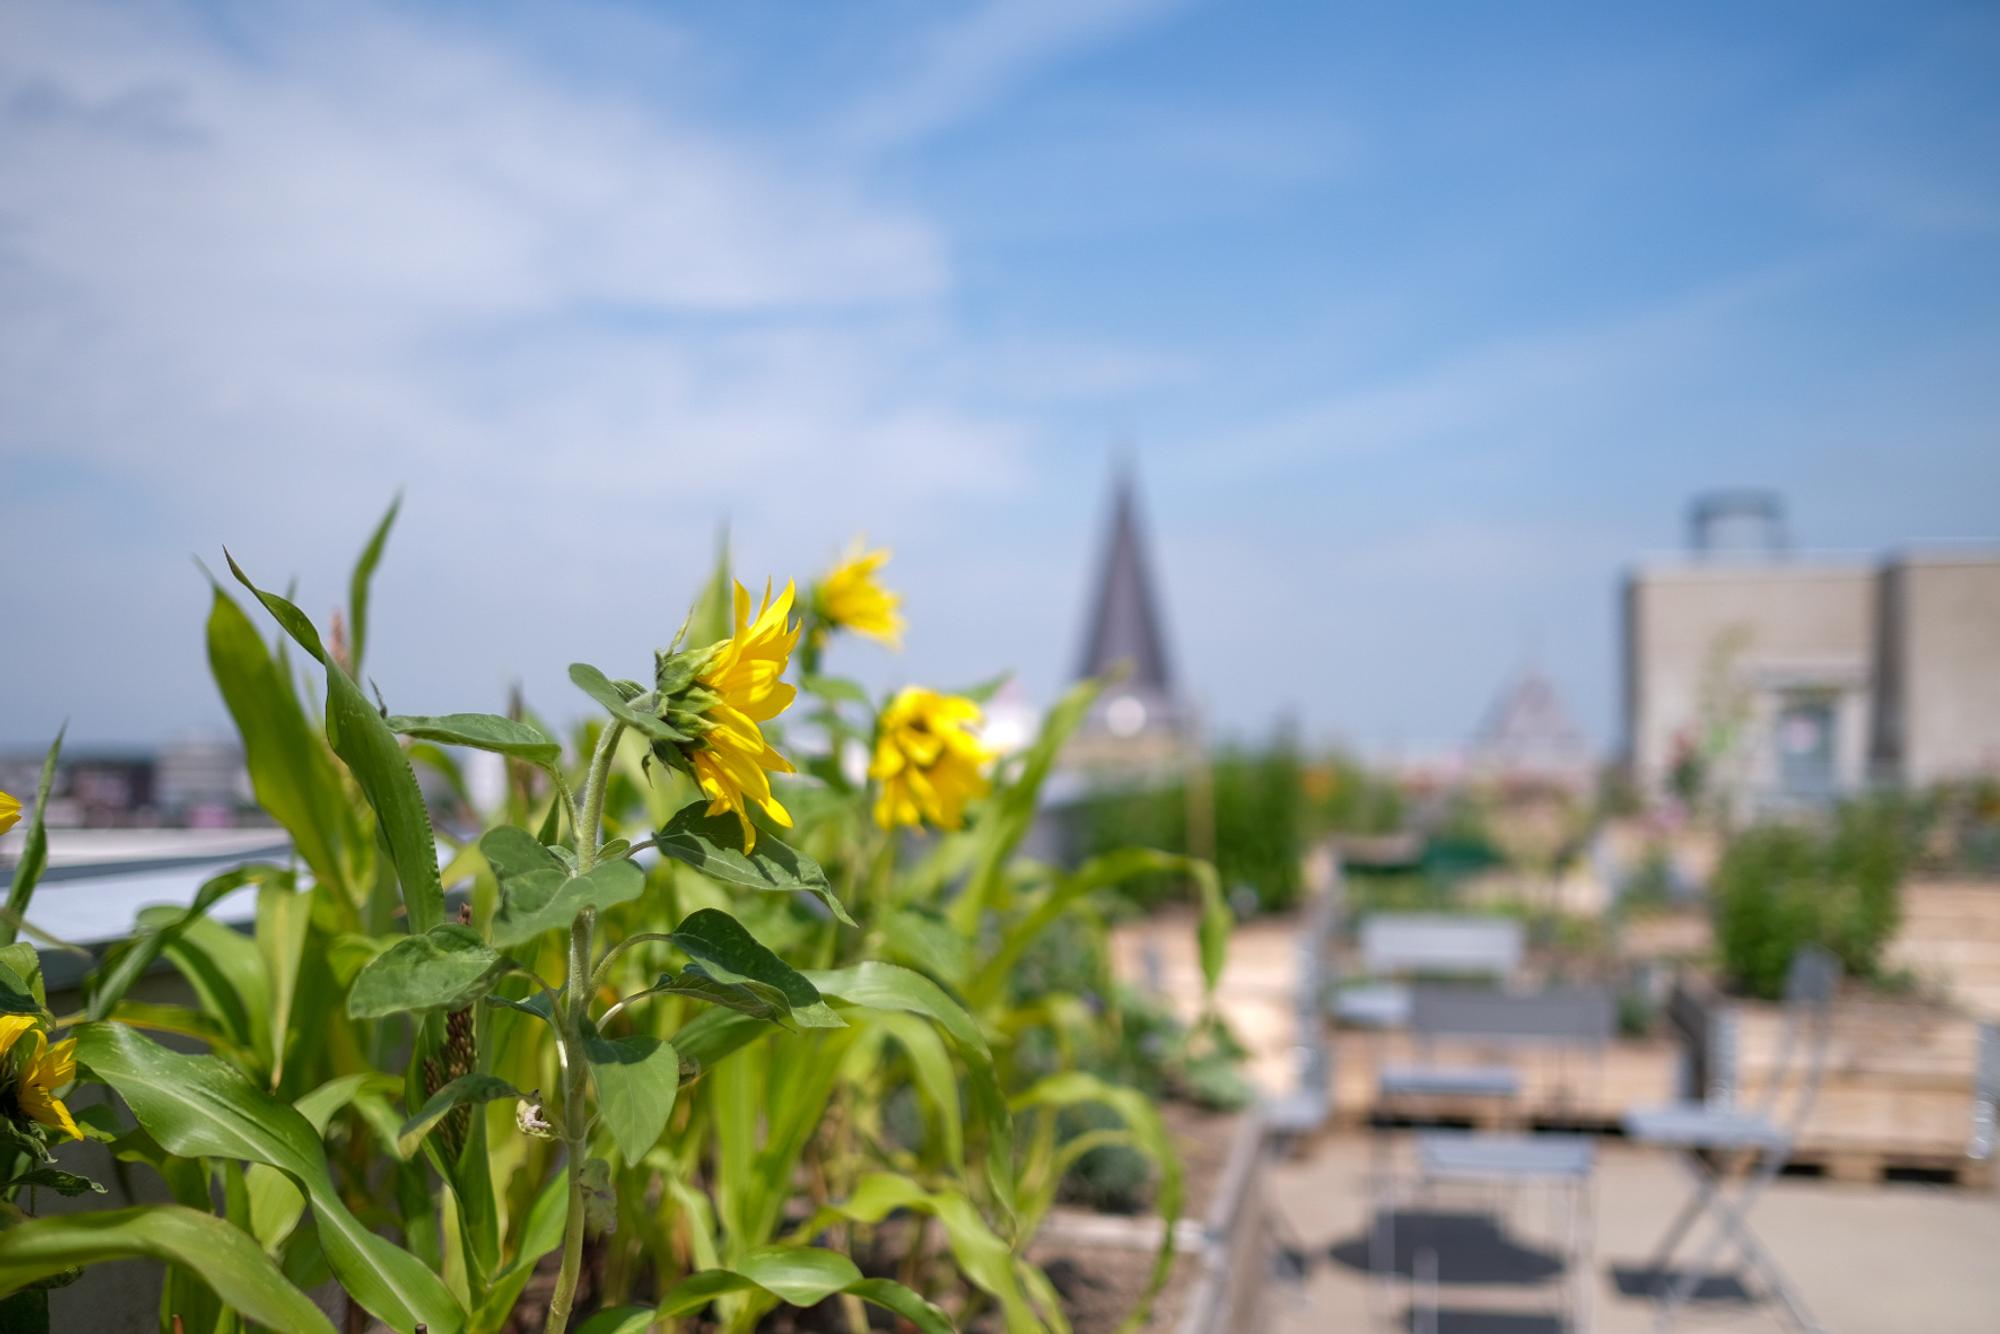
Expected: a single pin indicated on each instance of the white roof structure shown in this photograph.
(1529, 735)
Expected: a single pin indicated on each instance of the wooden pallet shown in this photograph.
(1865, 1167)
(1567, 1091)
(1900, 1092)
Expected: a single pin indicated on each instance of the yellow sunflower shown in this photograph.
(10, 812)
(929, 762)
(733, 763)
(43, 1070)
(852, 598)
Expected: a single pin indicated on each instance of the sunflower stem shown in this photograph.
(576, 1005)
(576, 1125)
(588, 830)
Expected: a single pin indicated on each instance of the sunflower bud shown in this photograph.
(717, 696)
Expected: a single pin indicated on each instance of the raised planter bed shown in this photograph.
(1225, 1245)
(1908, 1085)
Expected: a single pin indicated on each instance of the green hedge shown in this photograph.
(1836, 883)
(1260, 825)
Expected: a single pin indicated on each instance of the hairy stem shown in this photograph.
(576, 1125)
(588, 831)
(576, 1008)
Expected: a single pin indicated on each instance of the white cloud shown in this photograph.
(957, 67)
(254, 285)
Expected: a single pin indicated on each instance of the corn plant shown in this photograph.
(661, 1014)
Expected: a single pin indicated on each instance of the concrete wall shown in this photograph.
(1906, 654)
(1798, 627)
(1947, 609)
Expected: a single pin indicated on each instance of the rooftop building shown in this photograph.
(1785, 679)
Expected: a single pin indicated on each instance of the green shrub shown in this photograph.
(1260, 831)
(1346, 798)
(1781, 886)
(1259, 828)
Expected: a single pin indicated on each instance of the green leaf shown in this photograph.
(1149, 1135)
(227, 1260)
(760, 1000)
(599, 687)
(620, 1320)
(357, 584)
(1012, 810)
(361, 739)
(202, 1107)
(446, 968)
(540, 1005)
(734, 955)
(34, 858)
(21, 989)
(276, 1204)
(931, 1064)
(837, 689)
(472, 1088)
(985, 690)
(290, 771)
(57, 1180)
(483, 731)
(713, 845)
(225, 971)
(715, 1034)
(537, 891)
(1100, 872)
(982, 1256)
(637, 1079)
(929, 944)
(284, 917)
(800, 1276)
(1217, 922)
(542, 1234)
(885, 986)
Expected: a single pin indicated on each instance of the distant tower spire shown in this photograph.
(1139, 721)
(1125, 618)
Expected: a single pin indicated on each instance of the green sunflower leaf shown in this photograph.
(539, 892)
(713, 845)
(446, 968)
(731, 954)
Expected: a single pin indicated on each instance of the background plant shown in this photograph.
(1835, 883)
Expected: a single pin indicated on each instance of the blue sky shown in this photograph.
(1422, 322)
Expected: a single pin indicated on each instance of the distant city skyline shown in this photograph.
(1421, 326)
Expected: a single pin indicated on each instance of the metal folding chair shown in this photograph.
(1715, 1135)
(1396, 946)
(1562, 1018)
(1305, 1107)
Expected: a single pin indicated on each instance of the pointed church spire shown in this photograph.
(1125, 617)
